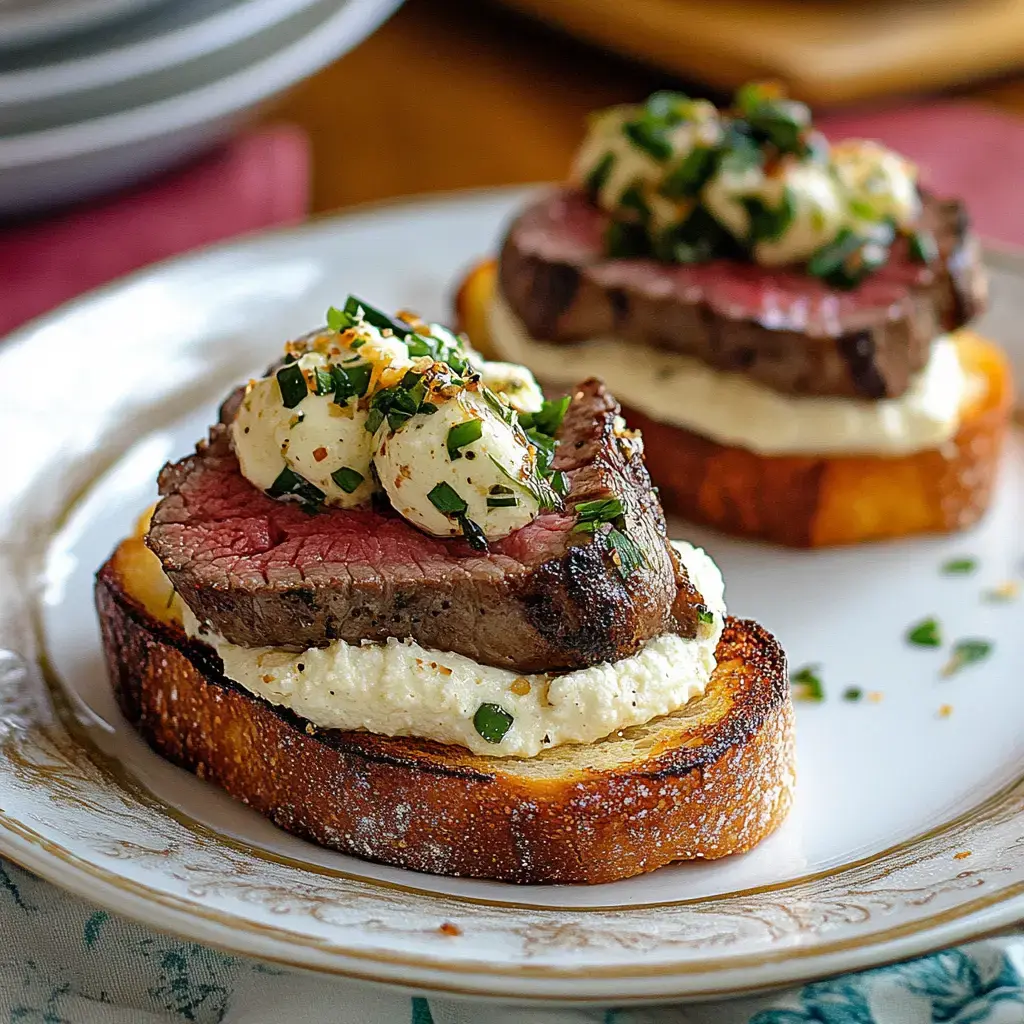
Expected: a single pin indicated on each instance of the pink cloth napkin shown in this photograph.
(255, 181)
(962, 149)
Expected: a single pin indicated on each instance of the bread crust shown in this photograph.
(711, 780)
(814, 501)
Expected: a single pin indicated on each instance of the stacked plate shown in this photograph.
(95, 94)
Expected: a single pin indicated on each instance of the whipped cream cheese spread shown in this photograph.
(402, 689)
(734, 410)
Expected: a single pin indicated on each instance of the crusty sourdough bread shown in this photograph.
(813, 501)
(710, 780)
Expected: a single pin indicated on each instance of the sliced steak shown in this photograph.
(782, 327)
(266, 573)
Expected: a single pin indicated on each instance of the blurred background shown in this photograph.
(130, 129)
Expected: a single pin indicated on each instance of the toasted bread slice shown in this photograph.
(813, 501)
(712, 779)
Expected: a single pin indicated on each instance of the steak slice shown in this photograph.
(784, 328)
(266, 573)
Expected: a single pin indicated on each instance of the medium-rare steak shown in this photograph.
(784, 328)
(267, 573)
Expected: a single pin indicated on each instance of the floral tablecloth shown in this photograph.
(63, 961)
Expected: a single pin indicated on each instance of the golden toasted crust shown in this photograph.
(815, 501)
(713, 779)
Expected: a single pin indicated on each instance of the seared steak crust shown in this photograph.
(785, 329)
(266, 573)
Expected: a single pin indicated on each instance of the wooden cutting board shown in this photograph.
(828, 52)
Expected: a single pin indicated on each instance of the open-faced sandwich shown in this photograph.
(783, 319)
(405, 607)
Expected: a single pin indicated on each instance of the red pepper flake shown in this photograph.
(962, 855)
(320, 453)
(447, 928)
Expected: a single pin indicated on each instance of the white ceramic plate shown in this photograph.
(904, 836)
(74, 161)
(27, 21)
(176, 48)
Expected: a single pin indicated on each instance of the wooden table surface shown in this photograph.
(453, 94)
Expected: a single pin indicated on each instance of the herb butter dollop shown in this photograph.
(686, 183)
(461, 446)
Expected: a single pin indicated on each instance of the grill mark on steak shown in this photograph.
(781, 327)
(265, 573)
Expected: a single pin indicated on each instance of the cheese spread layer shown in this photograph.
(402, 689)
(733, 409)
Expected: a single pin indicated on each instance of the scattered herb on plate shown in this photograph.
(927, 633)
(853, 693)
(959, 566)
(807, 685)
(967, 652)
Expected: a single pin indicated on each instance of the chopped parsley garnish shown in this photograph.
(398, 403)
(705, 614)
(806, 683)
(768, 224)
(375, 318)
(292, 383)
(959, 566)
(925, 634)
(447, 500)
(461, 435)
(440, 349)
(492, 722)
(290, 484)
(967, 652)
(853, 693)
(347, 479)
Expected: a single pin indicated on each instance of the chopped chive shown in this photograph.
(705, 614)
(447, 500)
(324, 380)
(359, 377)
(853, 693)
(559, 483)
(626, 241)
(375, 317)
(338, 320)
(598, 177)
(923, 247)
(549, 417)
(475, 536)
(492, 722)
(463, 434)
(925, 634)
(626, 555)
(967, 652)
(285, 483)
(292, 382)
(347, 479)
(690, 176)
(502, 501)
(959, 566)
(649, 137)
(374, 418)
(807, 685)
(602, 510)
(769, 224)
